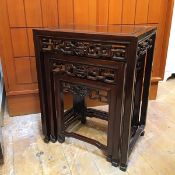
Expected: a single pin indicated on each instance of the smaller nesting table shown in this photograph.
(111, 64)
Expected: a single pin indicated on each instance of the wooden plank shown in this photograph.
(23, 71)
(141, 12)
(129, 7)
(160, 43)
(166, 36)
(153, 91)
(115, 11)
(102, 12)
(65, 10)
(30, 42)
(5, 51)
(23, 104)
(81, 12)
(154, 11)
(19, 42)
(33, 13)
(92, 12)
(33, 69)
(50, 13)
(16, 13)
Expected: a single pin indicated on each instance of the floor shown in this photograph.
(27, 154)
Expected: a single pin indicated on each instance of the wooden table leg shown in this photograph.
(140, 68)
(147, 81)
(50, 100)
(59, 107)
(128, 106)
(112, 106)
(80, 107)
(117, 113)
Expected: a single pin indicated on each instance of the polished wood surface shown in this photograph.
(91, 61)
(18, 17)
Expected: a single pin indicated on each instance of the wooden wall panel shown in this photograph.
(168, 22)
(19, 42)
(16, 13)
(115, 11)
(141, 16)
(158, 59)
(6, 46)
(33, 69)
(33, 13)
(23, 71)
(129, 9)
(102, 12)
(154, 11)
(50, 13)
(81, 12)
(92, 12)
(30, 42)
(65, 10)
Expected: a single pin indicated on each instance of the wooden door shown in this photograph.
(19, 17)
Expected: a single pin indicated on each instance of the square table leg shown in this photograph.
(59, 107)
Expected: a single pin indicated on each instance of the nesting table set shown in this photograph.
(111, 64)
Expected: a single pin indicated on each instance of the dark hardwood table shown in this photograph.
(111, 64)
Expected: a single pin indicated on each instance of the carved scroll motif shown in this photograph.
(84, 48)
(95, 94)
(106, 75)
(143, 46)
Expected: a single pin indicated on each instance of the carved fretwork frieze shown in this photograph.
(85, 48)
(94, 94)
(106, 75)
(143, 46)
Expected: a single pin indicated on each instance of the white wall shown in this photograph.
(170, 64)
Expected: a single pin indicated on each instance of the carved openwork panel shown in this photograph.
(144, 45)
(95, 94)
(85, 48)
(106, 75)
(142, 49)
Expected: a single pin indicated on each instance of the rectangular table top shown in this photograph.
(115, 30)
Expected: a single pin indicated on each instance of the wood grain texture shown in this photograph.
(33, 13)
(66, 12)
(30, 41)
(160, 40)
(19, 42)
(129, 9)
(92, 12)
(6, 48)
(153, 91)
(50, 13)
(81, 12)
(154, 11)
(162, 25)
(23, 104)
(33, 69)
(115, 11)
(166, 36)
(16, 13)
(102, 12)
(142, 11)
(23, 71)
